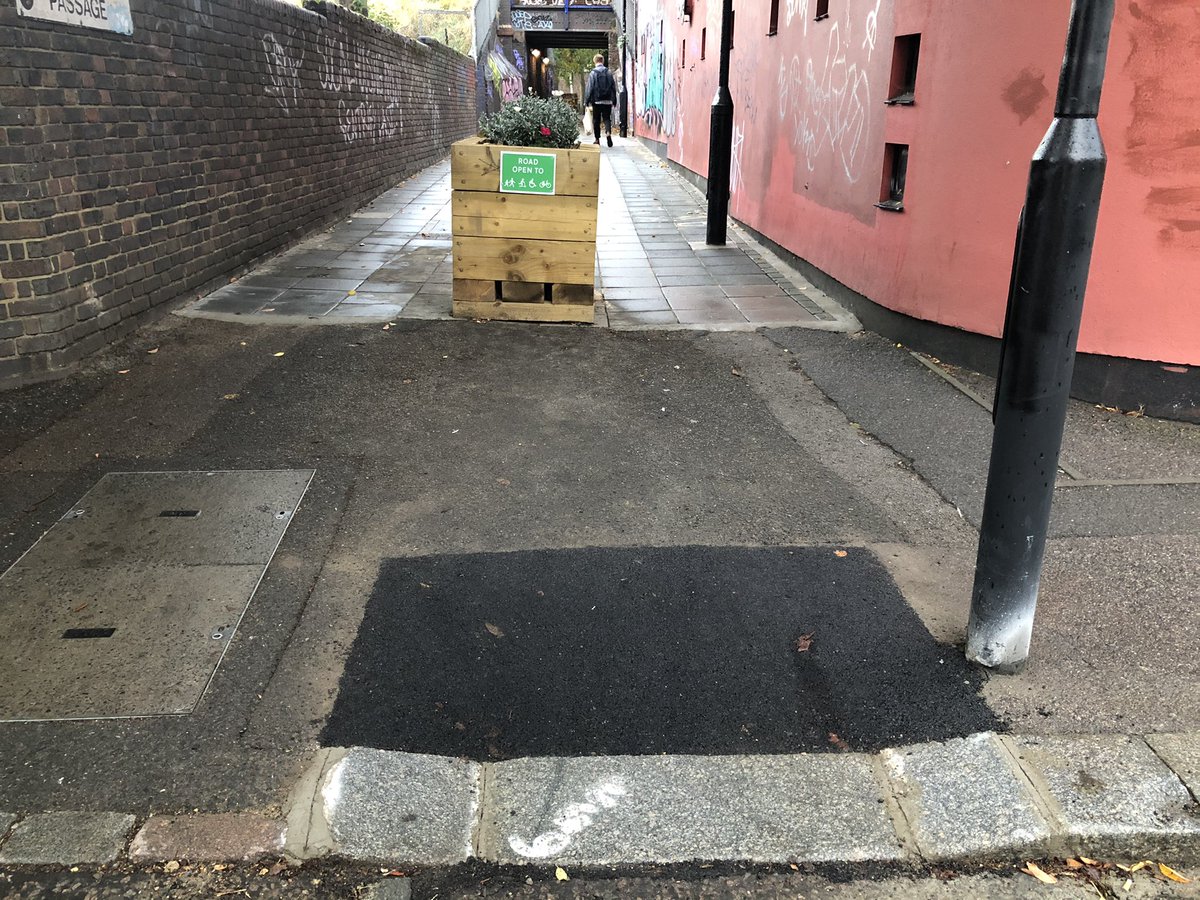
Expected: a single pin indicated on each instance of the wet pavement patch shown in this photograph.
(698, 650)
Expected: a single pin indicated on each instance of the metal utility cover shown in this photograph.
(126, 606)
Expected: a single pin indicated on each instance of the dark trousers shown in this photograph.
(601, 115)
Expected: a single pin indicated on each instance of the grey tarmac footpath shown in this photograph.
(980, 798)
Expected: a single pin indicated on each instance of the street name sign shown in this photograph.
(527, 173)
(107, 15)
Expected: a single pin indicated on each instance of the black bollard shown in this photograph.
(1045, 305)
(720, 137)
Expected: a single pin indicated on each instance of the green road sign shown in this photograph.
(526, 173)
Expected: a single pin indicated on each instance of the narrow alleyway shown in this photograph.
(391, 260)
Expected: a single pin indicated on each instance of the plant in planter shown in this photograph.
(524, 216)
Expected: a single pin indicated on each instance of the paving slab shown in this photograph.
(1182, 753)
(67, 838)
(636, 810)
(1113, 795)
(965, 799)
(6, 822)
(216, 837)
(402, 808)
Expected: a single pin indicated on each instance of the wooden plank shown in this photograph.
(525, 312)
(475, 166)
(574, 293)
(484, 214)
(473, 289)
(511, 259)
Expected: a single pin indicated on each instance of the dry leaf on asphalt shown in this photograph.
(561, 874)
(494, 630)
(230, 397)
(155, 350)
(122, 371)
(838, 742)
(1170, 873)
(804, 642)
(280, 353)
(839, 553)
(503, 482)
(1043, 877)
(736, 371)
(1074, 864)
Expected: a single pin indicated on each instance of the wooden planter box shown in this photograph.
(524, 257)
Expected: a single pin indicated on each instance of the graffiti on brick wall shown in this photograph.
(282, 73)
(824, 96)
(525, 20)
(658, 94)
(368, 101)
(503, 77)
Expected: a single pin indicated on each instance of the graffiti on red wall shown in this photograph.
(657, 99)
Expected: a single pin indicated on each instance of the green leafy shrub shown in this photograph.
(532, 122)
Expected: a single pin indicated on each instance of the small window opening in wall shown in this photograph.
(703, 42)
(895, 170)
(773, 24)
(822, 10)
(683, 54)
(904, 69)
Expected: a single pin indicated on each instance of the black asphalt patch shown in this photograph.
(702, 650)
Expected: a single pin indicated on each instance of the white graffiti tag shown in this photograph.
(571, 819)
(283, 73)
(826, 105)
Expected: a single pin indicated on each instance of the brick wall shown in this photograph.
(135, 170)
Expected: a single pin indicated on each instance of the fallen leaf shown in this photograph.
(263, 871)
(838, 742)
(172, 866)
(395, 873)
(80, 608)
(1074, 864)
(793, 867)
(1136, 866)
(1170, 873)
(155, 350)
(736, 372)
(503, 482)
(1032, 869)
(229, 397)
(280, 353)
(1088, 861)
(424, 585)
(804, 642)
(1128, 885)
(560, 874)
(219, 867)
(839, 553)
(122, 371)
(267, 309)
(351, 293)
(494, 630)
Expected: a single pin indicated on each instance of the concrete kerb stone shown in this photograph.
(401, 808)
(219, 836)
(963, 799)
(984, 797)
(1182, 753)
(67, 838)
(599, 811)
(1112, 795)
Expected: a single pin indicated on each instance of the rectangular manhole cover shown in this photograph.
(127, 605)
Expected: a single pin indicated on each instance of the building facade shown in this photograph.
(886, 144)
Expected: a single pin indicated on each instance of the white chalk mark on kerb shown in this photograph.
(572, 819)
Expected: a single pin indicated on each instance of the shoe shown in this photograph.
(610, 140)
(596, 142)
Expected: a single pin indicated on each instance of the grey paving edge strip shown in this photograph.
(983, 797)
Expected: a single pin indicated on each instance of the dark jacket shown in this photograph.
(601, 87)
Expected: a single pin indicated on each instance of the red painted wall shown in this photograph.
(811, 127)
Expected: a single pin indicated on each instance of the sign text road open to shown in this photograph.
(527, 173)
(108, 15)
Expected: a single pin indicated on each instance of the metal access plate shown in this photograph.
(180, 518)
(122, 611)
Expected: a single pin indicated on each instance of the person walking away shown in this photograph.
(600, 95)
